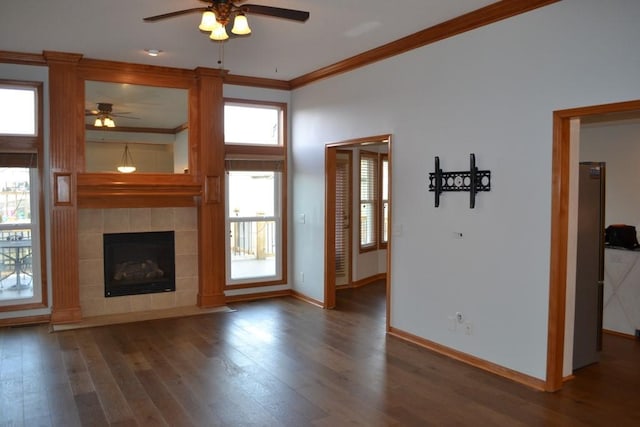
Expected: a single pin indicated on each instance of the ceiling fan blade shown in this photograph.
(278, 12)
(172, 14)
(91, 112)
(124, 116)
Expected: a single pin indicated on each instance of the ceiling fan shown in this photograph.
(104, 115)
(219, 13)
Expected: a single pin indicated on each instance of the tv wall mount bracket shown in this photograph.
(473, 181)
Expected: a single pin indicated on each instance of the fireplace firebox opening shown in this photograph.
(139, 263)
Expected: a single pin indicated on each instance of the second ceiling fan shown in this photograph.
(219, 14)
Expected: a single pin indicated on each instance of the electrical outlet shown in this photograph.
(468, 328)
(301, 277)
(459, 317)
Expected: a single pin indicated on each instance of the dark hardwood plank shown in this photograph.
(284, 362)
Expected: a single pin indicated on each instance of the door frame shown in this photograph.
(329, 217)
(560, 195)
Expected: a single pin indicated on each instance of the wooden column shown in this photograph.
(65, 121)
(211, 208)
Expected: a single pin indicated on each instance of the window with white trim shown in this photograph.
(384, 200)
(368, 201)
(374, 201)
(21, 227)
(255, 161)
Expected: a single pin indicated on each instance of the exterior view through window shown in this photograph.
(16, 234)
(255, 160)
(20, 279)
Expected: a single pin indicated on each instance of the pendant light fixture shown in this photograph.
(126, 162)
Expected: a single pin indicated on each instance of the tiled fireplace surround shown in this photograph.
(93, 223)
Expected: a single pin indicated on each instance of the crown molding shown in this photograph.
(484, 16)
(233, 79)
(22, 58)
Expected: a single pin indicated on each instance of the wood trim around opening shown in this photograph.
(30, 150)
(559, 230)
(267, 153)
(330, 208)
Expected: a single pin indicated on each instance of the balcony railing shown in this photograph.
(16, 269)
(253, 237)
(253, 247)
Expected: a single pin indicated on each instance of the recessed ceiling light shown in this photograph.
(153, 52)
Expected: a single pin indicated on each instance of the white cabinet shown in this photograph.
(621, 291)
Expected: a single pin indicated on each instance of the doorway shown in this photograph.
(339, 259)
(565, 126)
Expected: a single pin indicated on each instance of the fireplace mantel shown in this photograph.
(73, 189)
(109, 190)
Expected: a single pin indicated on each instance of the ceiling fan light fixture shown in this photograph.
(108, 122)
(208, 22)
(219, 33)
(98, 122)
(241, 25)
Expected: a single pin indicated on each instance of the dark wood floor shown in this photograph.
(283, 362)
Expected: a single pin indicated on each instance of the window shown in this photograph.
(374, 201)
(255, 160)
(252, 124)
(21, 249)
(384, 200)
(368, 201)
(18, 112)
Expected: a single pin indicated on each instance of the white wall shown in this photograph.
(106, 157)
(36, 74)
(491, 92)
(181, 152)
(617, 144)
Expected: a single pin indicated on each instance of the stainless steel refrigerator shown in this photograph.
(587, 334)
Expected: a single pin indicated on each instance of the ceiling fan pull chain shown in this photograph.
(221, 55)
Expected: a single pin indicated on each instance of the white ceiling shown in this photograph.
(279, 49)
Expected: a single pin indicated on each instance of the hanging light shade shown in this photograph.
(126, 163)
(104, 121)
(219, 33)
(241, 25)
(208, 21)
(108, 122)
